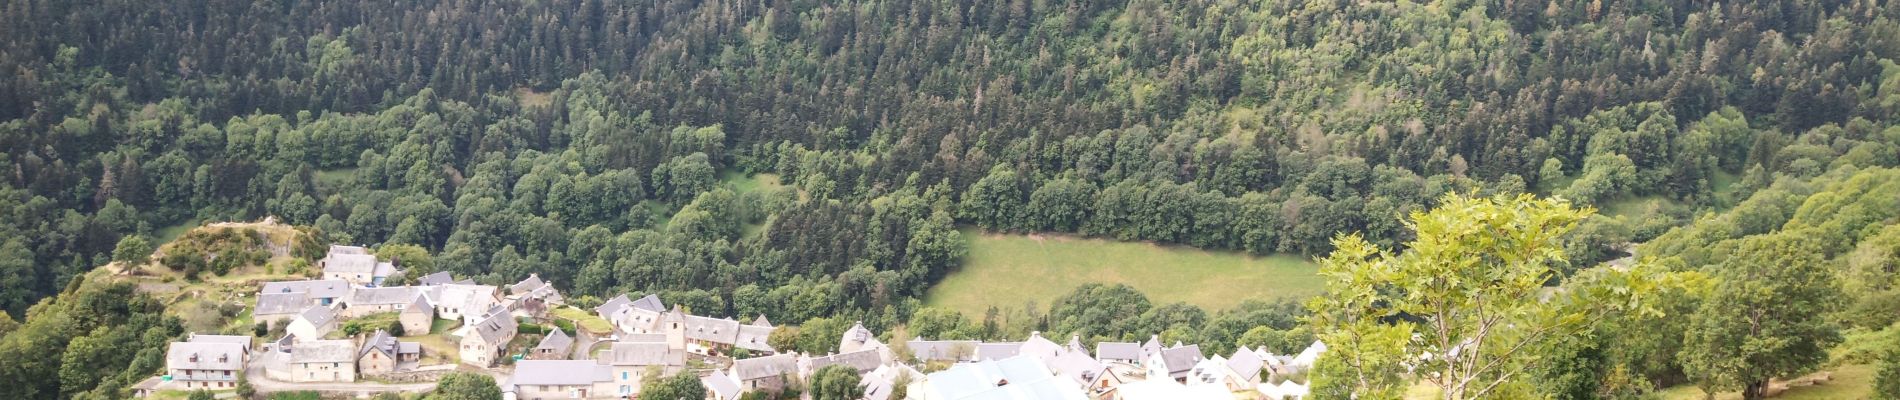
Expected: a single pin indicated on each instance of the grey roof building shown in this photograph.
(318, 316)
(280, 303)
(496, 327)
(998, 350)
(384, 296)
(722, 387)
(438, 278)
(553, 346)
(382, 342)
(1126, 352)
(323, 351)
(765, 367)
(644, 354)
(317, 290)
(204, 356)
(612, 306)
(527, 285)
(754, 338)
(862, 360)
(1246, 363)
(649, 303)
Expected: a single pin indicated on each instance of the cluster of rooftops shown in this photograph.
(647, 335)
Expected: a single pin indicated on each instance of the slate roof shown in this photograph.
(342, 249)
(560, 372)
(420, 304)
(998, 350)
(862, 360)
(340, 350)
(1075, 365)
(1153, 345)
(348, 262)
(435, 279)
(943, 350)
(331, 288)
(1246, 363)
(722, 386)
(709, 329)
(1075, 345)
(495, 328)
(856, 338)
(1040, 347)
(382, 296)
(637, 317)
(318, 315)
(280, 303)
(1118, 350)
(211, 355)
(1182, 358)
(649, 303)
(527, 285)
(613, 305)
(383, 268)
(644, 354)
(466, 297)
(761, 321)
(380, 342)
(753, 337)
(556, 341)
(765, 367)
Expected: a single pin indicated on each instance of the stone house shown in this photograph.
(632, 361)
(366, 301)
(487, 339)
(312, 324)
(559, 379)
(383, 354)
(769, 373)
(556, 345)
(321, 361)
(355, 265)
(206, 364)
(417, 317)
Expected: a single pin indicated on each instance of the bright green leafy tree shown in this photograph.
(1766, 317)
(1463, 304)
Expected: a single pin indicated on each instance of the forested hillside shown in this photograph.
(599, 142)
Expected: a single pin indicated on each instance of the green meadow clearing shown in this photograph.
(1011, 270)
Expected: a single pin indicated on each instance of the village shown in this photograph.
(349, 334)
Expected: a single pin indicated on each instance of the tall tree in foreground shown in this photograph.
(1766, 318)
(681, 386)
(1468, 295)
(836, 382)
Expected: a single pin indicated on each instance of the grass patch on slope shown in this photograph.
(1012, 270)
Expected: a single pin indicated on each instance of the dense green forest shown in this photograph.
(595, 142)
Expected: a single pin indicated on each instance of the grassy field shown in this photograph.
(1012, 270)
(1848, 382)
(167, 234)
(756, 182)
(584, 319)
(334, 177)
(1631, 206)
